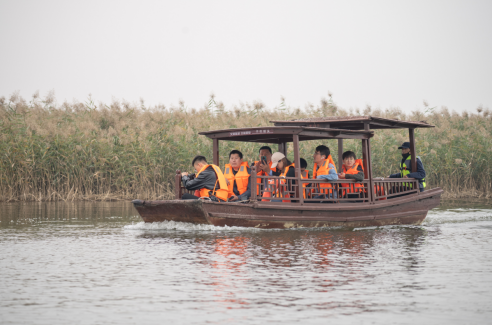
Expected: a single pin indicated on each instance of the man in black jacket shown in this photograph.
(206, 179)
(406, 167)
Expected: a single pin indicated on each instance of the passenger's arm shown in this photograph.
(331, 176)
(201, 181)
(359, 177)
(397, 175)
(420, 173)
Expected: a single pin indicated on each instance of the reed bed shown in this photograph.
(84, 151)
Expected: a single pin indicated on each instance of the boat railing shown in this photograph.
(286, 189)
(386, 188)
(275, 189)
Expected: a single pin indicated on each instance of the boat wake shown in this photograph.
(184, 226)
(438, 216)
(435, 217)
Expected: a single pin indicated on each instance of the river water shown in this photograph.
(96, 263)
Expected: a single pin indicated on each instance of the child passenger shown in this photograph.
(352, 167)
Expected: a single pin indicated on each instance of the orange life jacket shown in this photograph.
(284, 181)
(304, 175)
(352, 171)
(324, 169)
(379, 190)
(220, 192)
(262, 173)
(272, 182)
(241, 178)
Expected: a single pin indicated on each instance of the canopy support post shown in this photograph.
(340, 154)
(282, 147)
(367, 127)
(297, 162)
(367, 172)
(254, 195)
(413, 156)
(215, 150)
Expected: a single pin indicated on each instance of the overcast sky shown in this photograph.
(381, 53)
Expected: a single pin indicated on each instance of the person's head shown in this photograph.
(321, 153)
(405, 148)
(235, 158)
(348, 158)
(267, 152)
(303, 164)
(198, 162)
(280, 161)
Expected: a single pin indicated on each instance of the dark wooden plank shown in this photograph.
(369, 163)
(413, 158)
(297, 162)
(215, 150)
(282, 147)
(340, 153)
(253, 184)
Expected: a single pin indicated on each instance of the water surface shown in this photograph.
(97, 263)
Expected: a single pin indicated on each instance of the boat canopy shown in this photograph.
(354, 123)
(284, 134)
(331, 127)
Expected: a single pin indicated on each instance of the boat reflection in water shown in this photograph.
(247, 267)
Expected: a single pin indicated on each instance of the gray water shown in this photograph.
(96, 263)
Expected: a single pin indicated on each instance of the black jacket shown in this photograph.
(419, 174)
(359, 177)
(206, 179)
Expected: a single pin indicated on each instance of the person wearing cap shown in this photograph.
(285, 168)
(406, 167)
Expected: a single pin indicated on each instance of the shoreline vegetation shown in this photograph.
(122, 151)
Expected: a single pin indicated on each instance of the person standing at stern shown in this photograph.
(406, 167)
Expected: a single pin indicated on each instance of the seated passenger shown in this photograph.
(208, 180)
(238, 175)
(304, 171)
(324, 168)
(263, 169)
(352, 168)
(286, 169)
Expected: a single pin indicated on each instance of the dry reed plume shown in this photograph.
(123, 151)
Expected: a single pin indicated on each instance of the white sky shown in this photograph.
(382, 53)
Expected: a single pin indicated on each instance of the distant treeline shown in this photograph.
(78, 151)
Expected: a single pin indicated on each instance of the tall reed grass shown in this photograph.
(74, 151)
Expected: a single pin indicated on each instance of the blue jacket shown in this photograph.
(332, 174)
(419, 174)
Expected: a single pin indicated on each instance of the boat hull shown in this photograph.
(410, 210)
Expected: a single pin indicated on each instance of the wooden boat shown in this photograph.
(379, 202)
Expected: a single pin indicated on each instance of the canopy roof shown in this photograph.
(354, 123)
(282, 134)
